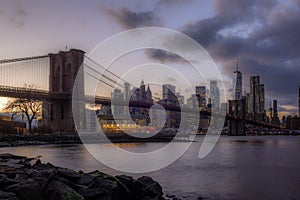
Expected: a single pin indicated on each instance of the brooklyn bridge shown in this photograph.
(52, 78)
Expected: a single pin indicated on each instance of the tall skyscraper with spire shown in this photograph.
(238, 92)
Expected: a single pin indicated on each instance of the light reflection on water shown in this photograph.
(265, 167)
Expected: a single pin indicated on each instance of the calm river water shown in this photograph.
(250, 167)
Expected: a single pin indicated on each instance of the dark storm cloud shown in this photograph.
(163, 56)
(228, 14)
(271, 48)
(130, 19)
(264, 35)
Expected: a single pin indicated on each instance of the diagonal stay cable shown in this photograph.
(108, 70)
(108, 78)
(93, 76)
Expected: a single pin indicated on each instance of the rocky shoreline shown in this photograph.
(14, 140)
(23, 178)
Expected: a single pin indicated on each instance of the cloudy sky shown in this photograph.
(263, 34)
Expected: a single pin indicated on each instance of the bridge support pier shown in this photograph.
(237, 115)
(58, 115)
(64, 67)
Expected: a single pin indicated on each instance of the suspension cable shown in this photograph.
(22, 59)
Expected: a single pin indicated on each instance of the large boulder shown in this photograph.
(8, 196)
(26, 190)
(57, 190)
(135, 188)
(5, 181)
(152, 187)
(69, 174)
(85, 179)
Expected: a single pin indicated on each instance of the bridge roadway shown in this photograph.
(42, 95)
(31, 93)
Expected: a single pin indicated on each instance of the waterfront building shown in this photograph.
(256, 101)
(117, 95)
(180, 98)
(7, 125)
(254, 94)
(169, 92)
(275, 119)
(142, 90)
(261, 93)
(127, 95)
(105, 110)
(248, 104)
(224, 108)
(271, 112)
(169, 98)
(138, 114)
(126, 91)
(209, 104)
(201, 96)
(236, 109)
(292, 122)
(149, 95)
(215, 95)
(192, 101)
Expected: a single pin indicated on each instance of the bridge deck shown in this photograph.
(31, 93)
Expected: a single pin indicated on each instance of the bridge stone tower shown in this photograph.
(64, 67)
(237, 115)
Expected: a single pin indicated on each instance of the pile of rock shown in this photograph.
(29, 179)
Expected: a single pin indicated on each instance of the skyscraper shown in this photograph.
(201, 96)
(215, 95)
(238, 83)
(248, 104)
(149, 95)
(126, 91)
(138, 114)
(275, 119)
(117, 95)
(254, 94)
(169, 97)
(271, 111)
(180, 98)
(142, 90)
(192, 102)
(168, 91)
(261, 92)
(275, 108)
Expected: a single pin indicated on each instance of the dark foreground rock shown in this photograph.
(28, 179)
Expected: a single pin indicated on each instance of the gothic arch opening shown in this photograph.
(56, 84)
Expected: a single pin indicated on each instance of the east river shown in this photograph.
(250, 167)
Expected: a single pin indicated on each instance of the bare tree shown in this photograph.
(29, 107)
